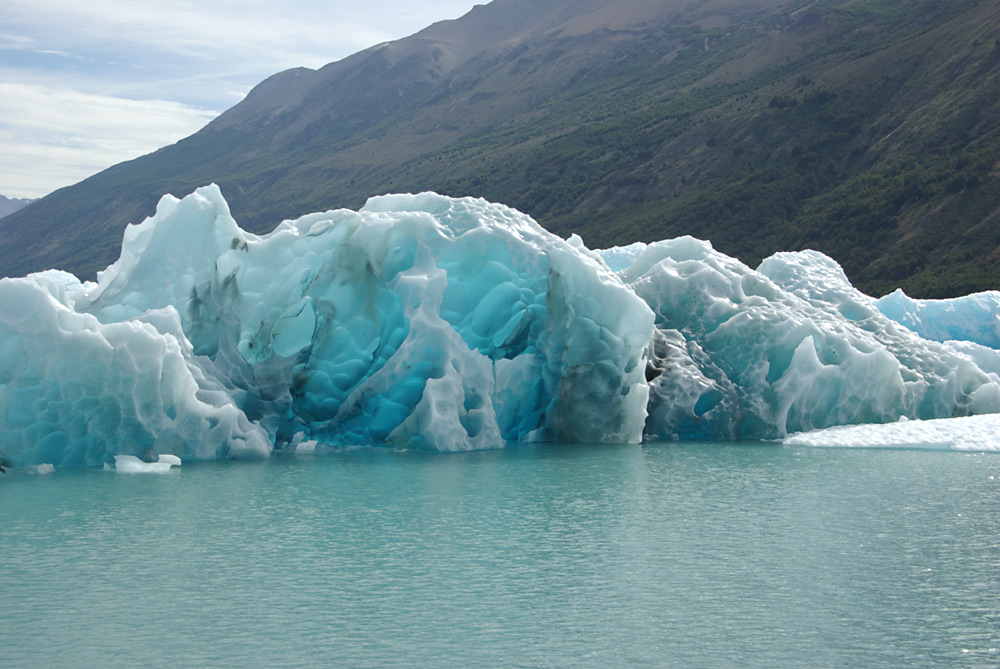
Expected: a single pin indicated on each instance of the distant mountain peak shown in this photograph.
(8, 205)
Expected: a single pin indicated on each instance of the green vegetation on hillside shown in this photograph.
(869, 130)
(812, 152)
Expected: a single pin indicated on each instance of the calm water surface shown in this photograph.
(656, 555)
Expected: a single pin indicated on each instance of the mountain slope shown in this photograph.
(865, 129)
(8, 205)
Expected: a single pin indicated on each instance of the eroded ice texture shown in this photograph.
(790, 347)
(74, 390)
(419, 321)
(974, 318)
(428, 322)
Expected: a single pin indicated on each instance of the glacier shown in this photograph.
(447, 324)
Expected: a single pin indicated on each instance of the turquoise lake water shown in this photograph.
(688, 555)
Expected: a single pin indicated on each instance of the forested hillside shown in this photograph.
(866, 129)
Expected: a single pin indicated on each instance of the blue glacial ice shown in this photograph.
(790, 347)
(974, 318)
(428, 322)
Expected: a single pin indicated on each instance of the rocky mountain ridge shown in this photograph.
(864, 129)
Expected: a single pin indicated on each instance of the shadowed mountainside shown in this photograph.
(8, 205)
(869, 130)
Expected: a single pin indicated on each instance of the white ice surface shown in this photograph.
(969, 433)
(129, 464)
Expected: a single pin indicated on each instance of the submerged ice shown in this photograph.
(429, 322)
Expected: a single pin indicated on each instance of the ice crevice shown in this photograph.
(428, 322)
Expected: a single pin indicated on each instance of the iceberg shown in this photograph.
(788, 347)
(418, 322)
(447, 324)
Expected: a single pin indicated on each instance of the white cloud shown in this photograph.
(52, 137)
(282, 35)
(24, 43)
(89, 84)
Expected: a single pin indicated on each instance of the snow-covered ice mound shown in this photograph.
(429, 322)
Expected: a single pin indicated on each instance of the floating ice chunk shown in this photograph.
(129, 464)
(436, 323)
(414, 321)
(787, 348)
(969, 433)
(169, 459)
(44, 468)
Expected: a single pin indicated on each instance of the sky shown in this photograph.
(86, 84)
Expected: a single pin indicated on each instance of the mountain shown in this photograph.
(866, 129)
(8, 205)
